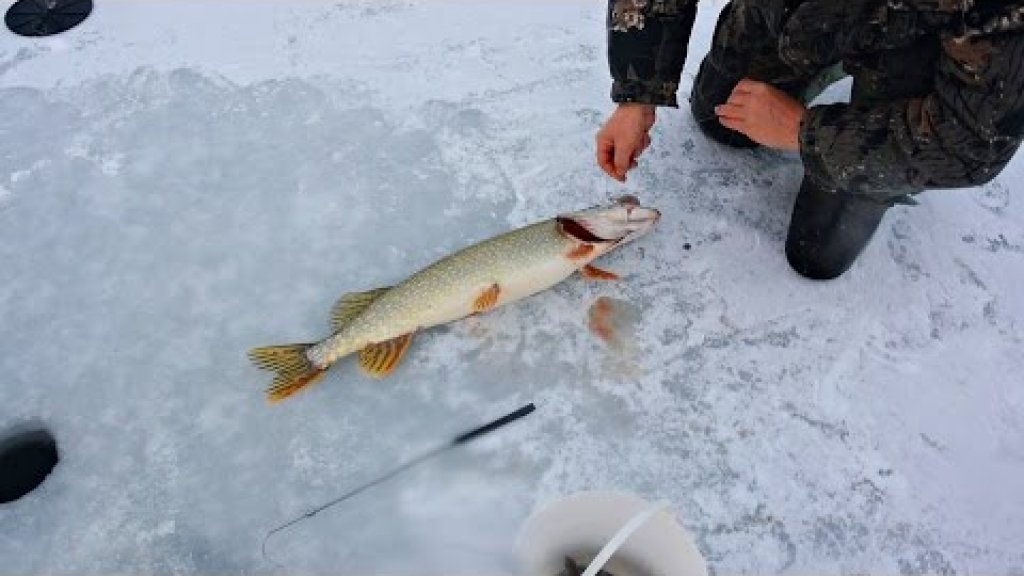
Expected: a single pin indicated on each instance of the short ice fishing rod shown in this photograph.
(455, 442)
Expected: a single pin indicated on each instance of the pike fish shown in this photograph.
(379, 324)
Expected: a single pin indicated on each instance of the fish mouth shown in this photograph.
(597, 230)
(621, 221)
(639, 224)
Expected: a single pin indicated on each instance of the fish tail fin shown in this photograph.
(294, 370)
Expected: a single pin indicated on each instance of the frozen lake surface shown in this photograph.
(181, 181)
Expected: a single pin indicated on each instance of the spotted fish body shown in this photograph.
(379, 324)
(521, 263)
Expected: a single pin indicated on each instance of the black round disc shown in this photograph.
(26, 459)
(46, 17)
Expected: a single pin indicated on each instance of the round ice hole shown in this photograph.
(26, 459)
(46, 17)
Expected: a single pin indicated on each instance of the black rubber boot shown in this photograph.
(829, 230)
(710, 89)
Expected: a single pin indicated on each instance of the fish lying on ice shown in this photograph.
(380, 323)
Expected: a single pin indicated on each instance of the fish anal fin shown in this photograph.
(381, 359)
(352, 304)
(592, 272)
(487, 299)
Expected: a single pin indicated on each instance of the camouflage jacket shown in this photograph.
(939, 84)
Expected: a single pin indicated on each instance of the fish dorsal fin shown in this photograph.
(381, 359)
(351, 305)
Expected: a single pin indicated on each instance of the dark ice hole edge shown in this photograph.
(27, 456)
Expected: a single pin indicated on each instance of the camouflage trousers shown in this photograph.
(746, 45)
(750, 42)
(829, 228)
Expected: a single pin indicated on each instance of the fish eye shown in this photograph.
(628, 200)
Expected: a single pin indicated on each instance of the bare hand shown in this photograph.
(764, 114)
(623, 138)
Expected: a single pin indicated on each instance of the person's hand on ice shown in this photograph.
(764, 114)
(623, 138)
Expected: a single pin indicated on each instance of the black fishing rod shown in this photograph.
(453, 443)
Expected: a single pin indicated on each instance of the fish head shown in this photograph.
(609, 226)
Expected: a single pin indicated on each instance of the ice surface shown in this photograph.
(181, 181)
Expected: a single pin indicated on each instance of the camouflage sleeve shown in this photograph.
(647, 42)
(961, 134)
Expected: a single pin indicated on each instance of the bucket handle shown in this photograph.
(620, 537)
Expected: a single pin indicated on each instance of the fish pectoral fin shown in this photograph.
(294, 370)
(352, 304)
(487, 299)
(381, 359)
(592, 272)
(580, 252)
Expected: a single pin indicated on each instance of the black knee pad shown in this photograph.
(829, 230)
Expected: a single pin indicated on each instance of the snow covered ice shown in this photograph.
(181, 181)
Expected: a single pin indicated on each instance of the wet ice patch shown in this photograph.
(613, 321)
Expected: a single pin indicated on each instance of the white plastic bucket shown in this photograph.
(651, 542)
